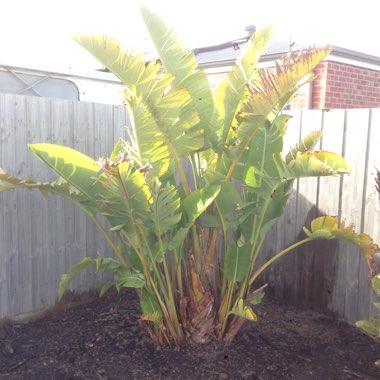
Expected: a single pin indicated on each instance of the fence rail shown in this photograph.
(40, 239)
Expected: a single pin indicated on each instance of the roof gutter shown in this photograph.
(336, 51)
(355, 55)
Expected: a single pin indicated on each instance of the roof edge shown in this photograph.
(223, 45)
(355, 55)
(95, 75)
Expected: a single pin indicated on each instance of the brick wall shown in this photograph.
(336, 85)
(300, 99)
(339, 85)
(319, 86)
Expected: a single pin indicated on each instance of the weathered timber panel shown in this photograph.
(41, 238)
(328, 276)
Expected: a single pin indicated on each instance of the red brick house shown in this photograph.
(345, 79)
(353, 84)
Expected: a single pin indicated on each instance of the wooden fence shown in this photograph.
(328, 276)
(40, 239)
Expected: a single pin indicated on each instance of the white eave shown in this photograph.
(351, 57)
(218, 58)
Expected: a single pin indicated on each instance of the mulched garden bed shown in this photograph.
(103, 339)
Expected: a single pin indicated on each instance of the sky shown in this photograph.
(37, 32)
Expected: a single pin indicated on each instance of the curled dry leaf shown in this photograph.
(327, 227)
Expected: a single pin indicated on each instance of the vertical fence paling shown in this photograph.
(329, 203)
(372, 199)
(40, 239)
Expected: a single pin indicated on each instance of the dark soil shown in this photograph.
(103, 340)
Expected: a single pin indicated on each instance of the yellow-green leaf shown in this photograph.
(176, 58)
(236, 262)
(73, 271)
(232, 90)
(151, 310)
(327, 227)
(371, 327)
(376, 284)
(106, 287)
(243, 311)
(307, 144)
(320, 163)
(274, 87)
(257, 298)
(75, 167)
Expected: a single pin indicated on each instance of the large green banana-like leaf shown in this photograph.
(147, 144)
(119, 191)
(155, 140)
(274, 87)
(307, 144)
(371, 327)
(157, 143)
(269, 183)
(232, 90)
(202, 99)
(243, 311)
(327, 227)
(125, 277)
(376, 285)
(75, 167)
(151, 310)
(269, 94)
(194, 205)
(59, 187)
(228, 203)
(167, 108)
(125, 203)
(236, 262)
(318, 163)
(176, 58)
(182, 64)
(129, 66)
(307, 164)
(166, 211)
(198, 201)
(264, 193)
(258, 156)
(272, 209)
(74, 270)
(162, 116)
